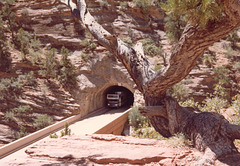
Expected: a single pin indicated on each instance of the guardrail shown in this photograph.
(40, 134)
(114, 127)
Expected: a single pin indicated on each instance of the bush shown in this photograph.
(136, 119)
(208, 60)
(179, 91)
(104, 4)
(233, 38)
(236, 66)
(141, 126)
(236, 107)
(22, 110)
(66, 130)
(123, 5)
(147, 131)
(54, 135)
(10, 88)
(174, 27)
(66, 73)
(158, 67)
(9, 16)
(190, 103)
(84, 57)
(214, 104)
(10, 116)
(144, 5)
(150, 48)
(128, 41)
(50, 65)
(179, 140)
(42, 121)
(22, 132)
(5, 61)
(222, 74)
(22, 43)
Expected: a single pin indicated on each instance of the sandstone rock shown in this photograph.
(105, 150)
(110, 150)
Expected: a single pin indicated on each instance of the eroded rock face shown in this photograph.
(55, 24)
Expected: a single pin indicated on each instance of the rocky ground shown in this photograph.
(111, 150)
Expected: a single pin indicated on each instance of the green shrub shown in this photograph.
(190, 103)
(128, 41)
(236, 107)
(230, 54)
(42, 121)
(208, 60)
(66, 74)
(8, 14)
(30, 79)
(123, 4)
(141, 126)
(222, 74)
(136, 119)
(174, 27)
(22, 132)
(5, 61)
(66, 130)
(147, 131)
(179, 91)
(143, 4)
(214, 104)
(236, 66)
(179, 140)
(221, 91)
(158, 67)
(84, 57)
(10, 88)
(50, 65)
(194, 11)
(104, 4)
(54, 135)
(22, 110)
(150, 48)
(22, 43)
(10, 116)
(89, 45)
(233, 38)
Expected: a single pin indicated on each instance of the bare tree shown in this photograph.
(210, 132)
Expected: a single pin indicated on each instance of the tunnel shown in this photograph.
(127, 97)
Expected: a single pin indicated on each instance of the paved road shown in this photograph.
(95, 122)
(89, 125)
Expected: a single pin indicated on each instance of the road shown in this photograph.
(88, 125)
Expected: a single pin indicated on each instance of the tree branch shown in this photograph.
(154, 111)
(191, 46)
(233, 131)
(137, 64)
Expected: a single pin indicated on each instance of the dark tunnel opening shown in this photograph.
(118, 96)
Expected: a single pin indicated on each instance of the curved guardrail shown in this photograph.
(40, 134)
(114, 126)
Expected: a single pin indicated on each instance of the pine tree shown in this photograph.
(4, 49)
(67, 70)
(199, 12)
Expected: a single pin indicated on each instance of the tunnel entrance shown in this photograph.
(118, 96)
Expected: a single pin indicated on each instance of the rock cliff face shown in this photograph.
(54, 23)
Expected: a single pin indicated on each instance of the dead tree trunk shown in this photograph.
(210, 132)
